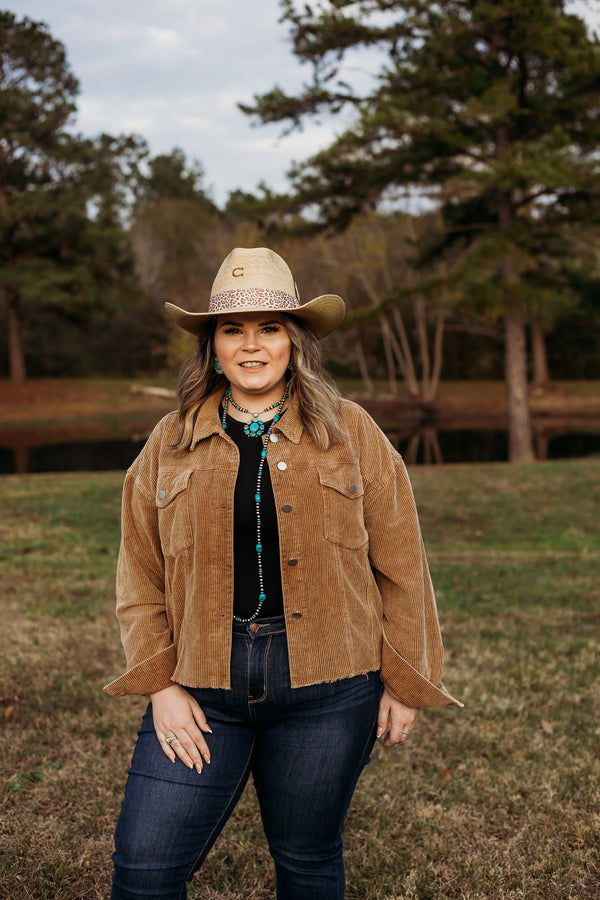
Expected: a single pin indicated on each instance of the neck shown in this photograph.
(257, 423)
(255, 404)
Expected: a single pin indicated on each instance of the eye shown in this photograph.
(271, 329)
(231, 329)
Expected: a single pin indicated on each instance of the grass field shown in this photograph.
(499, 800)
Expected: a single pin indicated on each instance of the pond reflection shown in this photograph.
(85, 446)
(101, 446)
(486, 440)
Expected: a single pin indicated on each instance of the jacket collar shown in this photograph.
(208, 421)
(291, 423)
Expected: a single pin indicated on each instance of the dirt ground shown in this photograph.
(53, 400)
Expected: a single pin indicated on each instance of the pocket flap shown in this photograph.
(170, 484)
(345, 480)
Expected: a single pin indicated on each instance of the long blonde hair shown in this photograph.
(317, 397)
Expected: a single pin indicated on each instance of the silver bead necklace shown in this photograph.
(262, 596)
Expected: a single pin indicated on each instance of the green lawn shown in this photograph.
(499, 800)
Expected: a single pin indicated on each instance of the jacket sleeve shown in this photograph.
(412, 652)
(141, 611)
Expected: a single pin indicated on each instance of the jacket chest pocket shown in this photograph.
(342, 491)
(173, 505)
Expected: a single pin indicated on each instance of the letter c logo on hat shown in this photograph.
(238, 272)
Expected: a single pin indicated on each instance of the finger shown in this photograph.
(192, 749)
(197, 737)
(175, 746)
(189, 744)
(200, 720)
(166, 745)
(181, 752)
(394, 736)
(400, 731)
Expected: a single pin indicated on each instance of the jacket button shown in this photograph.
(352, 488)
(274, 438)
(297, 614)
(292, 562)
(282, 466)
(287, 507)
(162, 495)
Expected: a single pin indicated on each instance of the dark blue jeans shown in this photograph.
(305, 748)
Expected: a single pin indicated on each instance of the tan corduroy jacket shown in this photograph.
(356, 588)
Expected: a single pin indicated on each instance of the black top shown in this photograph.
(246, 587)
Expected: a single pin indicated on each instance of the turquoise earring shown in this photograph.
(217, 366)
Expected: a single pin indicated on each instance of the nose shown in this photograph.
(252, 342)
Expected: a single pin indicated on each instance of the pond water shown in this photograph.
(113, 446)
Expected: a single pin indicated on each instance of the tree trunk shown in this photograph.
(421, 321)
(438, 345)
(539, 357)
(16, 351)
(520, 432)
(389, 356)
(362, 365)
(404, 354)
(520, 435)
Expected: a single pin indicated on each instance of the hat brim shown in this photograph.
(322, 315)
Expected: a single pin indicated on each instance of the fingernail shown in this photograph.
(199, 768)
(210, 731)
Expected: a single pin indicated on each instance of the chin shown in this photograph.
(258, 388)
(255, 384)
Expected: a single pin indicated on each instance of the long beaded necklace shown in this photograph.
(256, 427)
(257, 497)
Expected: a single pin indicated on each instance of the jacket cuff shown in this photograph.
(147, 677)
(407, 684)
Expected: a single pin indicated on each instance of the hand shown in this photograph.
(395, 720)
(176, 712)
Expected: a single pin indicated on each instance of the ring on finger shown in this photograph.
(170, 739)
(406, 732)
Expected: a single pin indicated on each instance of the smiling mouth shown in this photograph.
(252, 364)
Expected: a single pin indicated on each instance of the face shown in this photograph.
(254, 351)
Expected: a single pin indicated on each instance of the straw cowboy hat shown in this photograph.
(257, 280)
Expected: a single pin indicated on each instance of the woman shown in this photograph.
(273, 595)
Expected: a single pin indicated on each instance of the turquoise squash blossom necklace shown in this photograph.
(256, 427)
(258, 431)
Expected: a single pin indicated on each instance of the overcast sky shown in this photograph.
(173, 72)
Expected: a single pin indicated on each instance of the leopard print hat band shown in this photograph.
(259, 298)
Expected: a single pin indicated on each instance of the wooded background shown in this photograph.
(483, 118)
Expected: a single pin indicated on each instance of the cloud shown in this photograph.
(174, 74)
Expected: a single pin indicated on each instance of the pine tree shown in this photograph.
(62, 243)
(487, 109)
